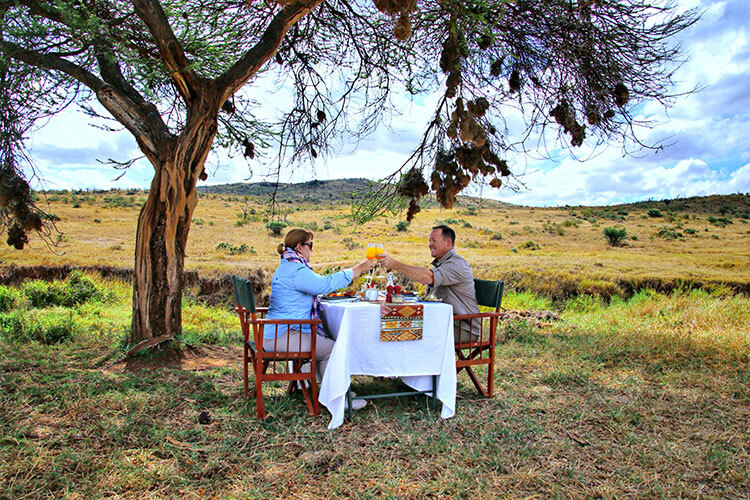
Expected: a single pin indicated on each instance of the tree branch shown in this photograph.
(134, 117)
(254, 59)
(151, 13)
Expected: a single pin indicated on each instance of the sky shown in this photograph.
(707, 133)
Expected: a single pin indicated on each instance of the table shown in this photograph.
(359, 351)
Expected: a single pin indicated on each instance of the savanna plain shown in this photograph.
(623, 370)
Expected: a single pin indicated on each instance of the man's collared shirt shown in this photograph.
(453, 282)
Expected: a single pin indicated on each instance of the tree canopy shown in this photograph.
(180, 77)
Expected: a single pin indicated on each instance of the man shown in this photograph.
(450, 278)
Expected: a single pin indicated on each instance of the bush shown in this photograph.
(531, 245)
(9, 298)
(668, 233)
(17, 327)
(235, 249)
(276, 226)
(350, 244)
(554, 228)
(615, 235)
(43, 294)
(654, 212)
(402, 225)
(496, 236)
(76, 290)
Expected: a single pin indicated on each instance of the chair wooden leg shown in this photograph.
(491, 375)
(477, 384)
(245, 369)
(260, 407)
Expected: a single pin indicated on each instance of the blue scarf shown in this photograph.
(292, 256)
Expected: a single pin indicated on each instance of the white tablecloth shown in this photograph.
(359, 351)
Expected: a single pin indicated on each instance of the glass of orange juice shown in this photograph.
(373, 250)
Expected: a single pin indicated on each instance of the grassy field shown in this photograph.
(645, 397)
(641, 394)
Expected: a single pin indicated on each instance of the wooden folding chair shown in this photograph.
(480, 350)
(284, 360)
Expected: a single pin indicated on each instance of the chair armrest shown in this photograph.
(477, 315)
(265, 321)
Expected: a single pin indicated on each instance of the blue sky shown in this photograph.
(708, 133)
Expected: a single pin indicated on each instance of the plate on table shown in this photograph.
(430, 298)
(339, 296)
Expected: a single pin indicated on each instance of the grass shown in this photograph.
(646, 397)
(561, 259)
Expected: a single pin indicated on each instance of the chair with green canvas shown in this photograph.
(480, 349)
(283, 364)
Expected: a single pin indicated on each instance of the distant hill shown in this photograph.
(337, 190)
(331, 191)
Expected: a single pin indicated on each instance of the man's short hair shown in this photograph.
(447, 232)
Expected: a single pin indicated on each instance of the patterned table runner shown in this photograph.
(400, 322)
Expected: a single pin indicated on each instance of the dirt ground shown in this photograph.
(200, 358)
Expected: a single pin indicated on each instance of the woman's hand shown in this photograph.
(363, 267)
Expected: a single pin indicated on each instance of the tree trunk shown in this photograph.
(161, 237)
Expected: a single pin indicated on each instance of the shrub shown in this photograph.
(75, 291)
(235, 249)
(570, 223)
(668, 233)
(654, 212)
(554, 228)
(531, 245)
(17, 327)
(43, 294)
(9, 298)
(80, 288)
(402, 225)
(496, 236)
(615, 235)
(276, 226)
(350, 244)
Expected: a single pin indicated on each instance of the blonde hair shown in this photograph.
(293, 238)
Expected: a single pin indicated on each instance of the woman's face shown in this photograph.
(305, 249)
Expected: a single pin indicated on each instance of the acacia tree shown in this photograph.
(175, 74)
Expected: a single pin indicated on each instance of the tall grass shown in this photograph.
(681, 325)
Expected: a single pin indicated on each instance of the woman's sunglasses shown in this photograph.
(308, 244)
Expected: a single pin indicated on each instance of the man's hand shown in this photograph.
(419, 274)
(387, 260)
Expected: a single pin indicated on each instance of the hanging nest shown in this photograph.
(495, 182)
(413, 210)
(402, 31)
(452, 82)
(491, 158)
(514, 82)
(393, 7)
(496, 68)
(478, 107)
(564, 114)
(17, 237)
(622, 94)
(592, 115)
(609, 114)
(472, 131)
(485, 41)
(412, 184)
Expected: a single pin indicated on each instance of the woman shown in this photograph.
(294, 290)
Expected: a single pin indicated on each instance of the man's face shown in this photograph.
(439, 244)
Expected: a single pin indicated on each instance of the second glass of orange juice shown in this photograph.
(373, 250)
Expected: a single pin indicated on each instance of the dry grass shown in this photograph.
(578, 260)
